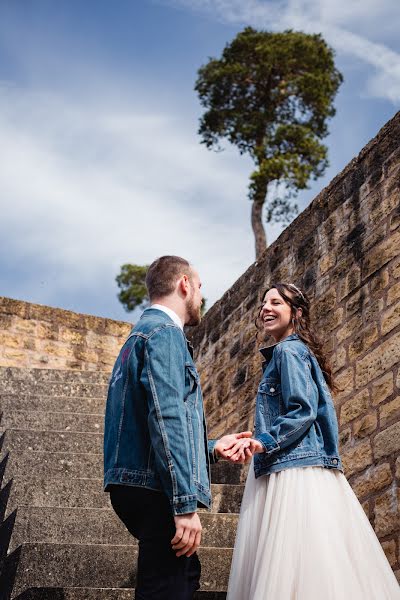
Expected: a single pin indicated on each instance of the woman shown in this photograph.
(302, 534)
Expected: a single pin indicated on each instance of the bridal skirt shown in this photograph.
(303, 535)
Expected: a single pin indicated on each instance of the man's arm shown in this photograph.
(164, 380)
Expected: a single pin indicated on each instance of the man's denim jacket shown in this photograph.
(295, 416)
(155, 431)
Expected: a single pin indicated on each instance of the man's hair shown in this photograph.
(163, 273)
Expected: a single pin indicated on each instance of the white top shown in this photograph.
(170, 313)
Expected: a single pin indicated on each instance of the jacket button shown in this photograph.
(335, 461)
(272, 389)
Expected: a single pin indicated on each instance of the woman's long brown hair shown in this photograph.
(302, 326)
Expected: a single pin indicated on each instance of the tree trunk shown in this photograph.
(256, 222)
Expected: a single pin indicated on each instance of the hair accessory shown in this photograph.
(294, 287)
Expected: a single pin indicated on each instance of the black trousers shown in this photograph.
(148, 517)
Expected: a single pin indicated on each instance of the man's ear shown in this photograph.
(184, 285)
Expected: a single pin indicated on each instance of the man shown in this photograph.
(156, 452)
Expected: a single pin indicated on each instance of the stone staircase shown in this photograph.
(59, 537)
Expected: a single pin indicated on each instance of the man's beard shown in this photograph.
(193, 313)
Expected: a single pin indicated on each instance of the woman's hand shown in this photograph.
(243, 450)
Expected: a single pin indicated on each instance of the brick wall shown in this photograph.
(32, 335)
(344, 250)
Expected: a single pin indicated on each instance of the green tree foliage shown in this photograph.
(270, 94)
(131, 281)
(133, 294)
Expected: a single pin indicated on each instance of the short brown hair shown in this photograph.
(163, 274)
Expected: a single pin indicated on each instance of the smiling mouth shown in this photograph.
(269, 319)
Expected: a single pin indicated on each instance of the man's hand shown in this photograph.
(227, 442)
(188, 534)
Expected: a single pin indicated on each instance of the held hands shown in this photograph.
(238, 447)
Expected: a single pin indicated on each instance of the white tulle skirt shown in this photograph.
(303, 535)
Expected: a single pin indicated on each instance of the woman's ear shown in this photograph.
(299, 313)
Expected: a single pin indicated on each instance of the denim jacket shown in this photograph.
(295, 416)
(155, 432)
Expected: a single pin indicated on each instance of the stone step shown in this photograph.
(73, 388)
(66, 404)
(69, 466)
(99, 594)
(53, 421)
(16, 440)
(53, 375)
(19, 440)
(101, 526)
(88, 493)
(80, 565)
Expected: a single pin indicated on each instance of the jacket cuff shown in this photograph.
(214, 458)
(269, 443)
(182, 505)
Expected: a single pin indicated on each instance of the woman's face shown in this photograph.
(276, 315)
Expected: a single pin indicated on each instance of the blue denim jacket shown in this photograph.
(295, 416)
(155, 432)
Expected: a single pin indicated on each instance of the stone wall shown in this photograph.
(344, 250)
(32, 335)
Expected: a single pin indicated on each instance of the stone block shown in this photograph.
(386, 511)
(382, 388)
(393, 293)
(390, 318)
(378, 361)
(350, 283)
(339, 359)
(389, 549)
(374, 479)
(349, 328)
(380, 255)
(379, 283)
(395, 268)
(326, 262)
(387, 442)
(365, 426)
(362, 342)
(389, 412)
(358, 458)
(344, 381)
(353, 408)
(344, 437)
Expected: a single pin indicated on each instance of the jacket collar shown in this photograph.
(161, 313)
(268, 350)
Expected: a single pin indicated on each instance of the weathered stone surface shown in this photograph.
(391, 318)
(365, 426)
(356, 459)
(381, 255)
(393, 294)
(35, 335)
(356, 406)
(382, 388)
(373, 480)
(389, 549)
(387, 513)
(362, 342)
(378, 361)
(389, 412)
(387, 441)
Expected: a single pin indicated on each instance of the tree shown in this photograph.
(131, 282)
(270, 94)
(133, 294)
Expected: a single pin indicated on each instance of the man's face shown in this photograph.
(194, 300)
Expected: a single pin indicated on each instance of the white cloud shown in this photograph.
(85, 189)
(350, 27)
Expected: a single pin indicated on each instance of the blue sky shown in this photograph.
(100, 159)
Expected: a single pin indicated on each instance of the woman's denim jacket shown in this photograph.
(155, 431)
(295, 416)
